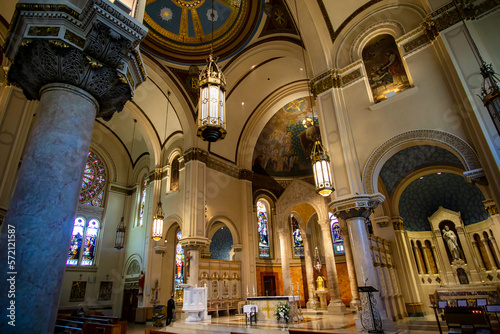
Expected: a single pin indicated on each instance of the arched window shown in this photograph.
(298, 242)
(338, 239)
(385, 69)
(93, 182)
(179, 262)
(85, 233)
(143, 202)
(263, 229)
(174, 174)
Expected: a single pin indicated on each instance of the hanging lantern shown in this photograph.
(490, 93)
(321, 170)
(318, 265)
(120, 234)
(158, 223)
(212, 104)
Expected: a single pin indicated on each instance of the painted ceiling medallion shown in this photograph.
(182, 32)
(166, 14)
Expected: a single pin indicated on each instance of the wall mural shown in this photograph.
(385, 69)
(284, 145)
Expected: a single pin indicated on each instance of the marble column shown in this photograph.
(354, 211)
(336, 305)
(423, 249)
(193, 255)
(488, 253)
(285, 261)
(475, 247)
(74, 83)
(418, 259)
(495, 247)
(350, 269)
(312, 303)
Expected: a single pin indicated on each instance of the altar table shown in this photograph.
(267, 305)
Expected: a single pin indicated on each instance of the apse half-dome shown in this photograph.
(284, 145)
(181, 30)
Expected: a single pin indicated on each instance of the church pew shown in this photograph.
(100, 328)
(115, 320)
(154, 331)
(60, 329)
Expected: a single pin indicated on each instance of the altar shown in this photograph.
(267, 306)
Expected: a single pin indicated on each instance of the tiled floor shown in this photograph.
(327, 323)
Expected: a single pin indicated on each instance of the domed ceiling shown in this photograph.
(424, 196)
(180, 31)
(284, 145)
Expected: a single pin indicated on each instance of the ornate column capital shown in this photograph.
(490, 206)
(194, 243)
(324, 224)
(95, 48)
(237, 247)
(382, 221)
(356, 206)
(397, 223)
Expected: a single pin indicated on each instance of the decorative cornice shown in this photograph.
(381, 221)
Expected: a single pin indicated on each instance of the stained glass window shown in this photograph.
(85, 233)
(179, 262)
(298, 243)
(143, 202)
(263, 229)
(338, 239)
(93, 182)
(76, 242)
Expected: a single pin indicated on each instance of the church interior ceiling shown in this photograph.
(180, 31)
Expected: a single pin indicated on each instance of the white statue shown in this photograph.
(451, 240)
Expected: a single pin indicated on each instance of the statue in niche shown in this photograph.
(451, 240)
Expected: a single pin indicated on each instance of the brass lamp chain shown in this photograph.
(131, 159)
(297, 26)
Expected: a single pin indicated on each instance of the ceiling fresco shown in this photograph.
(284, 145)
(423, 197)
(181, 30)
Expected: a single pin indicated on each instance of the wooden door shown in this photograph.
(269, 286)
(130, 302)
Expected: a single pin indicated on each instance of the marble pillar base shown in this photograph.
(312, 305)
(337, 306)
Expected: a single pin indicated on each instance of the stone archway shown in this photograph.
(448, 141)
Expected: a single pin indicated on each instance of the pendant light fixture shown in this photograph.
(490, 87)
(121, 229)
(212, 103)
(159, 216)
(319, 157)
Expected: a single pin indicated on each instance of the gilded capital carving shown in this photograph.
(491, 207)
(356, 206)
(194, 243)
(397, 223)
(95, 48)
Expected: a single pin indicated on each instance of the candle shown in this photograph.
(247, 289)
(253, 287)
(297, 286)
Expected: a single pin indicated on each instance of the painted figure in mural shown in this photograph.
(451, 240)
(394, 67)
